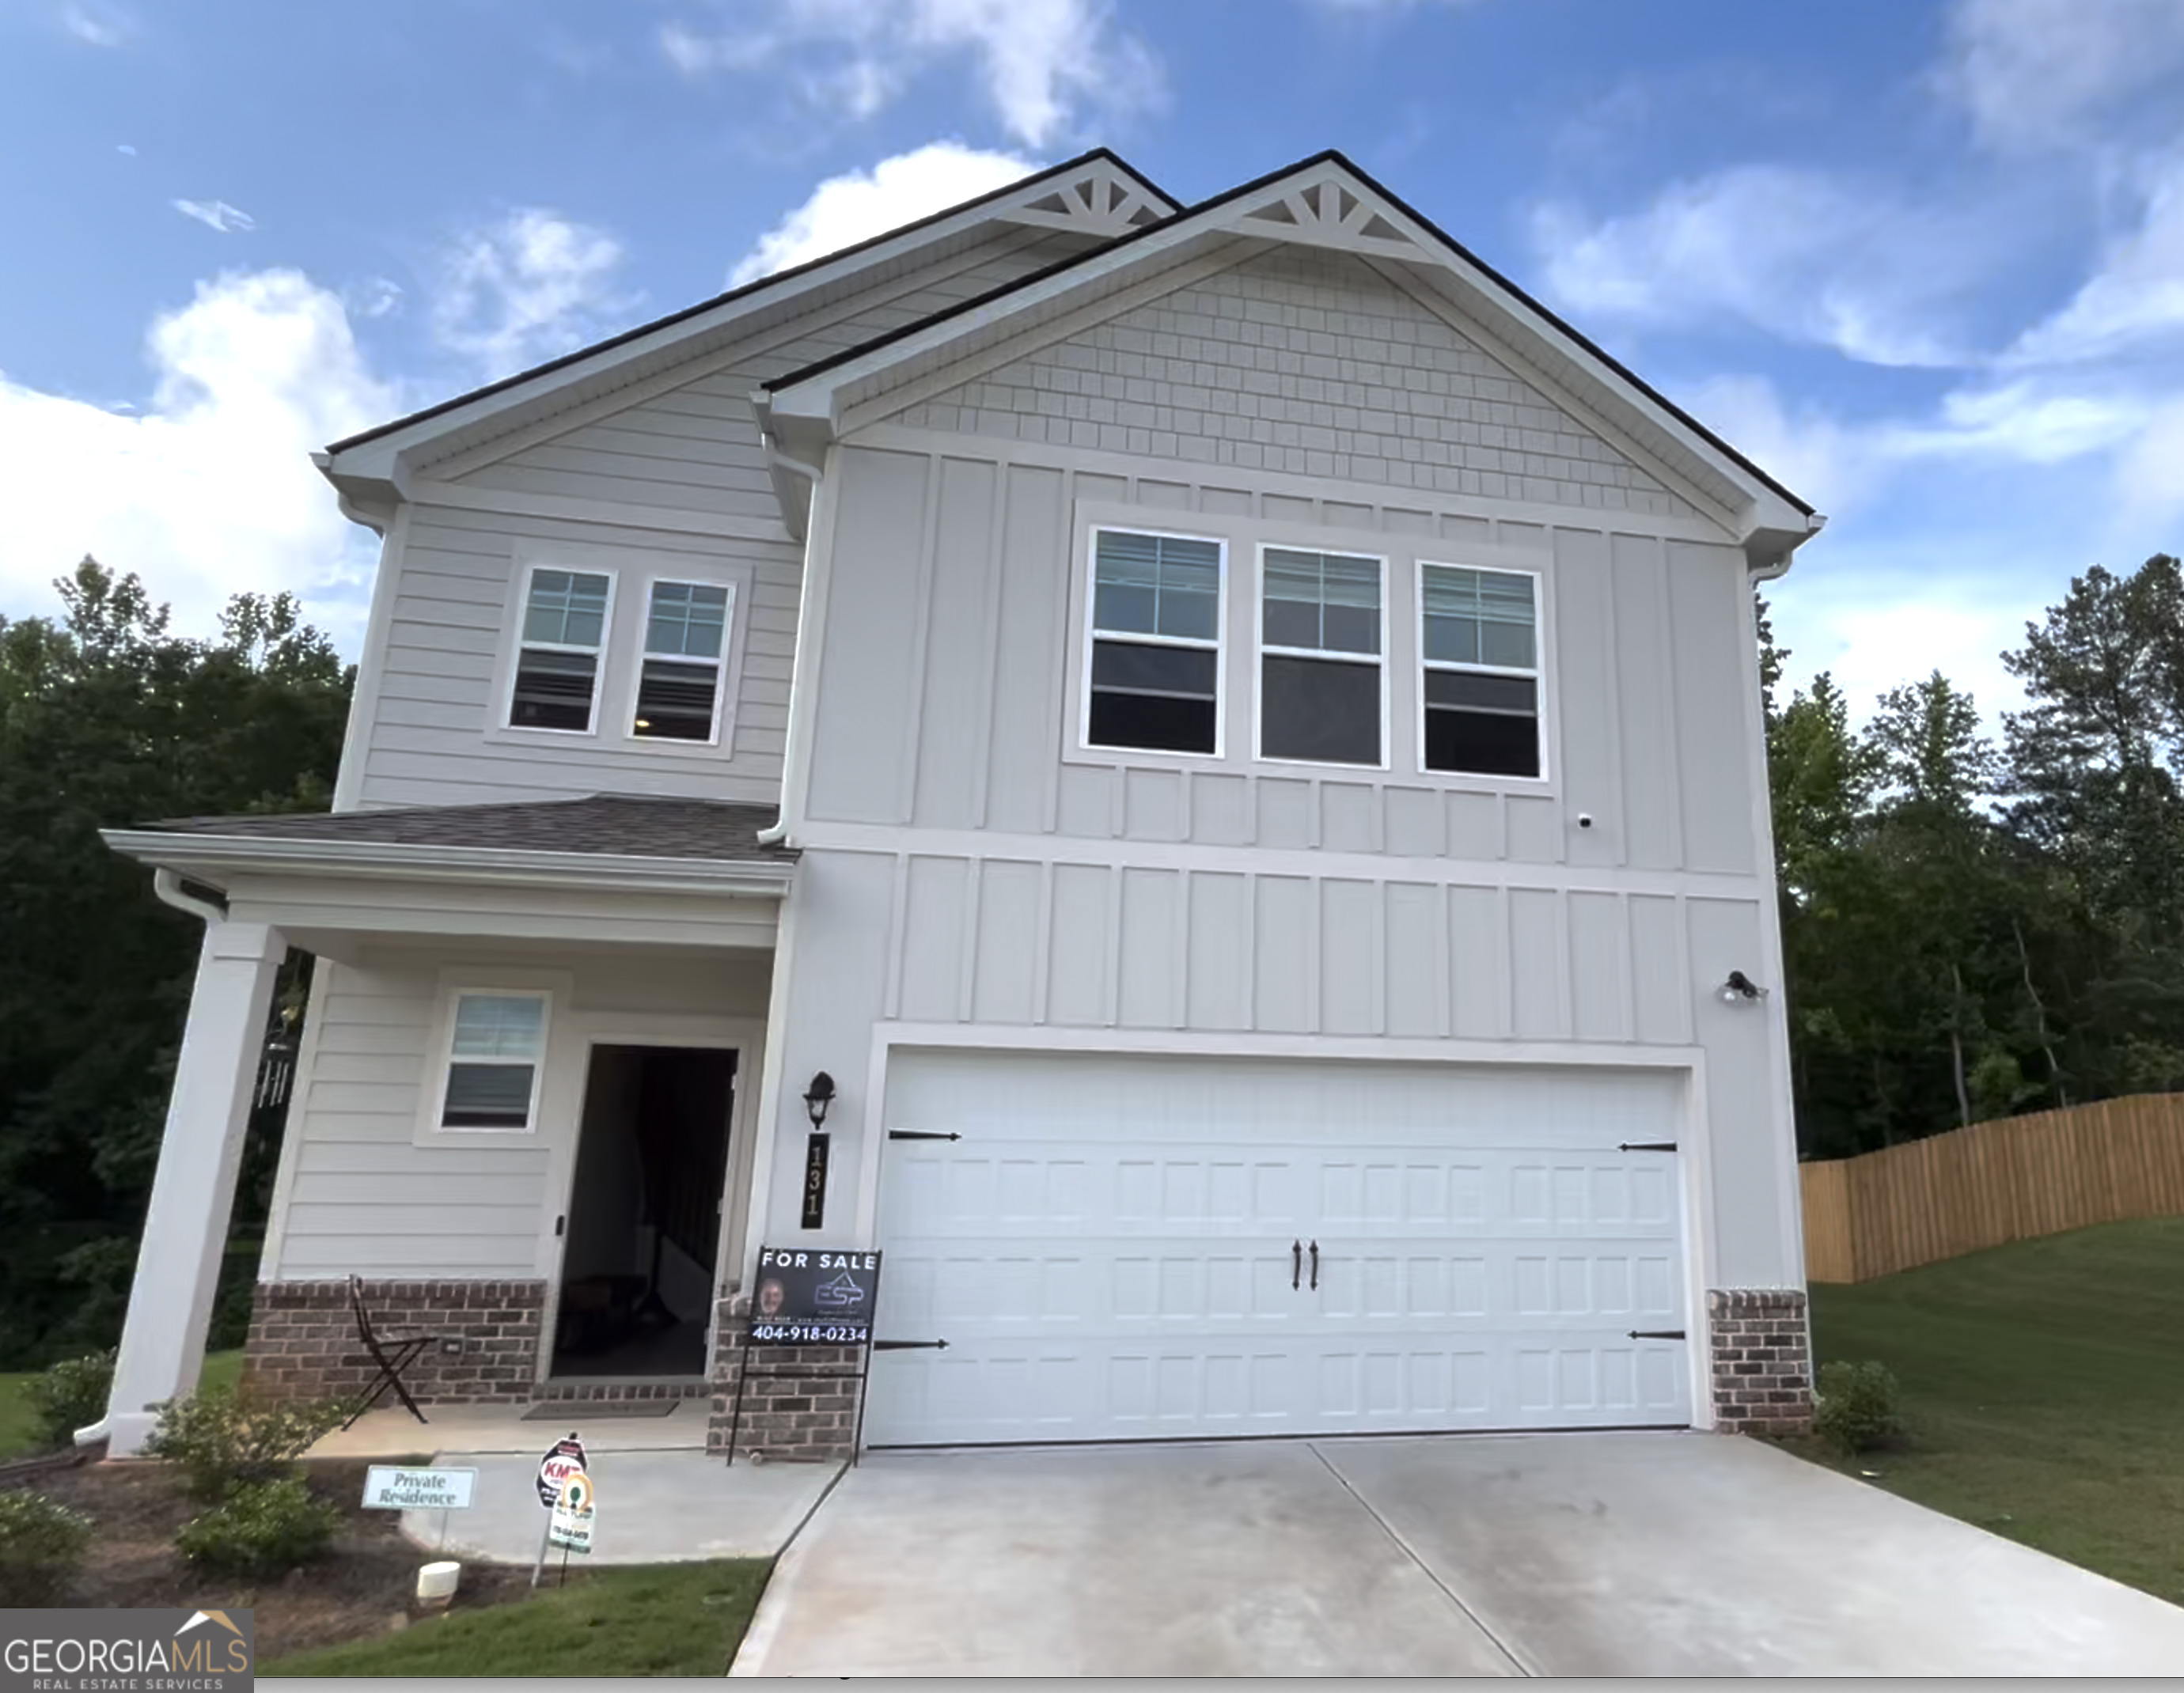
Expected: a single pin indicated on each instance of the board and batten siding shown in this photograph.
(674, 481)
(362, 1197)
(967, 868)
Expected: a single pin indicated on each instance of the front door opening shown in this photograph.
(644, 1217)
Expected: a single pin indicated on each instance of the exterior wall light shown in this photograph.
(1739, 988)
(821, 1094)
(816, 1098)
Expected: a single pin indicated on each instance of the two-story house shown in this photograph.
(1229, 735)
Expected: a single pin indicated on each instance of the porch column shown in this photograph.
(186, 1229)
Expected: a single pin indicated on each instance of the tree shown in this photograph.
(107, 719)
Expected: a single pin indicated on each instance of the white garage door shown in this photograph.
(1123, 1248)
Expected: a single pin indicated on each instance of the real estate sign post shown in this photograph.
(564, 1459)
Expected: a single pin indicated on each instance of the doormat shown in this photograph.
(596, 1410)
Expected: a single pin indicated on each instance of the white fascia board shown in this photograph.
(376, 460)
(208, 857)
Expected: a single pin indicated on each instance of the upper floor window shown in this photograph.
(557, 666)
(680, 674)
(494, 1050)
(1481, 685)
(1321, 693)
(1154, 682)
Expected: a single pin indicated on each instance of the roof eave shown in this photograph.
(216, 858)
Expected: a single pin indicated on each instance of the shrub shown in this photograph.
(221, 1439)
(264, 1528)
(70, 1395)
(42, 1544)
(1855, 1409)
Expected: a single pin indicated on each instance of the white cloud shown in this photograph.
(1043, 63)
(1802, 254)
(374, 296)
(124, 146)
(217, 215)
(527, 289)
(2136, 294)
(2040, 73)
(1873, 630)
(211, 491)
(97, 25)
(844, 210)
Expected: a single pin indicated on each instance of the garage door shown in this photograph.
(1122, 1248)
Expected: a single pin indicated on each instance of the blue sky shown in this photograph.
(1926, 261)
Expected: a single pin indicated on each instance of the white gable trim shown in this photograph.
(374, 457)
(1323, 203)
(1100, 200)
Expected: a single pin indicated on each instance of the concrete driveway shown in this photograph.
(1545, 1554)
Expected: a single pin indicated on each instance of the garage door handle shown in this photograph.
(1296, 1264)
(1657, 1334)
(1315, 1267)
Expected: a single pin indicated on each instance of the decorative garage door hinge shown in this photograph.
(1648, 1146)
(920, 1134)
(1658, 1334)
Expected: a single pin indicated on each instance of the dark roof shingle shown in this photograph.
(626, 825)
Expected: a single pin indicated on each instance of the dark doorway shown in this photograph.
(644, 1217)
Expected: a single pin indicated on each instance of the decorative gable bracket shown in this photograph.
(1324, 209)
(1099, 201)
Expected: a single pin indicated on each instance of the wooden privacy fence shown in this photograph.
(2010, 1179)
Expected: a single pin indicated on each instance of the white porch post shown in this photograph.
(186, 1229)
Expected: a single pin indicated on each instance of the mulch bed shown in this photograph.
(365, 1586)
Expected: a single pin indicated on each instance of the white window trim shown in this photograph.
(1384, 658)
(548, 987)
(600, 654)
(642, 652)
(1538, 673)
(1085, 743)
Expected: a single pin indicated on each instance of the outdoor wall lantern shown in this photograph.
(821, 1094)
(1740, 987)
(816, 1098)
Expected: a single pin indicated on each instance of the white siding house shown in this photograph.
(1227, 733)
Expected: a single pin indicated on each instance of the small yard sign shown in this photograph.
(388, 1488)
(570, 1527)
(565, 1460)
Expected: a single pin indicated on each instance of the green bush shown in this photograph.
(221, 1439)
(42, 1544)
(70, 1395)
(1856, 1407)
(264, 1530)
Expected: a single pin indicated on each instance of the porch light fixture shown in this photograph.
(818, 1097)
(1739, 988)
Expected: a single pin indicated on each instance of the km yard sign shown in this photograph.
(555, 1469)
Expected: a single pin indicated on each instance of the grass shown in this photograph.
(659, 1619)
(19, 1427)
(2044, 1383)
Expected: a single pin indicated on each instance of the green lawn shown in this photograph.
(19, 1429)
(661, 1619)
(2044, 1386)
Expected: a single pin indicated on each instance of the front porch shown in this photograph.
(524, 1111)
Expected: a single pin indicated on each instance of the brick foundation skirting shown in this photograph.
(1762, 1359)
(800, 1408)
(303, 1341)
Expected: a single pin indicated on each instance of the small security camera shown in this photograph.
(1584, 820)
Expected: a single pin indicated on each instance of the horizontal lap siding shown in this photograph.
(691, 454)
(363, 1198)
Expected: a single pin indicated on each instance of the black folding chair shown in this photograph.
(391, 1353)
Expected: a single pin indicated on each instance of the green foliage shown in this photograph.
(222, 1439)
(1855, 1409)
(42, 1544)
(69, 1396)
(109, 719)
(261, 1530)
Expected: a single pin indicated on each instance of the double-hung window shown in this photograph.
(1154, 682)
(494, 1052)
(681, 672)
(558, 663)
(1320, 692)
(1481, 651)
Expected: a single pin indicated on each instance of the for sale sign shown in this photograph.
(555, 1469)
(810, 1298)
(569, 1528)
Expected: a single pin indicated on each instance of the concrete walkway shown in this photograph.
(1593, 1554)
(391, 1434)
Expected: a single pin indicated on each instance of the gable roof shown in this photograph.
(1029, 201)
(1290, 203)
